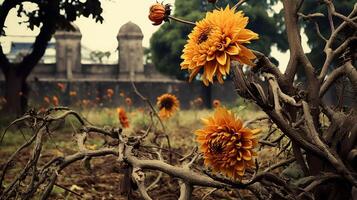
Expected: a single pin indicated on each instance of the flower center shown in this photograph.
(216, 147)
(204, 35)
(224, 140)
(167, 103)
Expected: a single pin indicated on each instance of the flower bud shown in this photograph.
(159, 12)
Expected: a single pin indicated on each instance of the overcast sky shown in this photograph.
(102, 37)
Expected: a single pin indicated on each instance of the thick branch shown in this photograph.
(40, 45)
(294, 39)
(330, 156)
(347, 70)
(185, 174)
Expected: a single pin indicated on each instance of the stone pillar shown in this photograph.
(68, 52)
(131, 52)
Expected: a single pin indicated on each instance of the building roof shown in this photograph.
(130, 29)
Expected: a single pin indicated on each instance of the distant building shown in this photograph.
(66, 58)
(20, 49)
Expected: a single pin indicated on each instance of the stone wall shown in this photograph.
(92, 90)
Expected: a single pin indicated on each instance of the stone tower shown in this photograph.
(68, 52)
(131, 52)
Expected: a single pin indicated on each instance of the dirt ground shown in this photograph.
(104, 179)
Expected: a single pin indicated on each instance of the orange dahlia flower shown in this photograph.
(159, 12)
(123, 118)
(168, 104)
(55, 101)
(47, 100)
(128, 101)
(61, 86)
(227, 146)
(72, 93)
(198, 101)
(216, 103)
(215, 41)
(85, 102)
(110, 92)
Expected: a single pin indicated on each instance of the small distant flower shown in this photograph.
(168, 104)
(61, 86)
(215, 41)
(128, 101)
(85, 102)
(159, 13)
(227, 146)
(141, 110)
(72, 93)
(123, 118)
(110, 92)
(216, 103)
(55, 101)
(3, 100)
(47, 100)
(42, 109)
(198, 101)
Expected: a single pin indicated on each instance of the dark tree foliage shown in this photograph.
(171, 37)
(49, 16)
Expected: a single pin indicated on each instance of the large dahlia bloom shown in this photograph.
(227, 146)
(215, 41)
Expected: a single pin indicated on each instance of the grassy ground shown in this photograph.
(102, 181)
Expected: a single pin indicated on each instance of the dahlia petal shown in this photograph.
(241, 173)
(228, 65)
(246, 134)
(247, 144)
(221, 57)
(239, 156)
(244, 60)
(193, 73)
(245, 52)
(246, 155)
(184, 65)
(210, 57)
(232, 163)
(233, 50)
(229, 173)
(222, 69)
(238, 124)
(245, 35)
(205, 121)
(210, 69)
(200, 132)
(227, 41)
(220, 78)
(256, 131)
(205, 81)
(240, 165)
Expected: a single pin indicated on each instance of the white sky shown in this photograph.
(102, 37)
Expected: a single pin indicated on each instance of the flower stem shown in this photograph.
(240, 2)
(181, 20)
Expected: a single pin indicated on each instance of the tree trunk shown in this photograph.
(16, 92)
